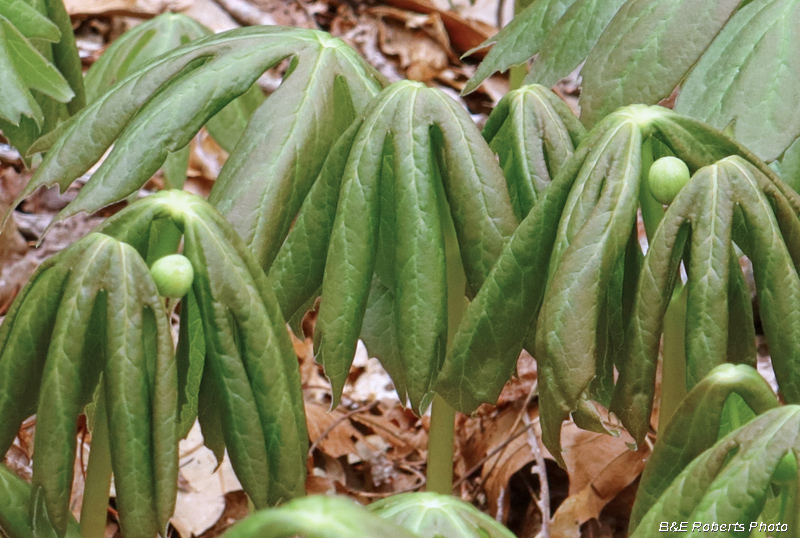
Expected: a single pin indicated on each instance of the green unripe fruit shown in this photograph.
(173, 275)
(667, 177)
(786, 471)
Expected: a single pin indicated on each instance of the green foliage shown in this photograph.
(14, 519)
(697, 425)
(149, 40)
(750, 78)
(40, 69)
(578, 281)
(409, 195)
(92, 313)
(409, 515)
(534, 134)
(268, 175)
(724, 206)
(699, 472)
(438, 516)
(317, 517)
(737, 55)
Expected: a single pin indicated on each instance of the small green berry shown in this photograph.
(667, 177)
(173, 275)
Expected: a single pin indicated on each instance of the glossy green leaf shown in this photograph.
(182, 89)
(534, 133)
(582, 328)
(645, 51)
(139, 45)
(790, 165)
(484, 352)
(317, 517)
(149, 40)
(749, 75)
(25, 69)
(296, 274)
(29, 21)
(15, 518)
(571, 39)
(250, 372)
(190, 360)
(433, 515)
(728, 202)
(520, 39)
(93, 309)
(65, 54)
(591, 238)
(730, 481)
(264, 182)
(696, 426)
(414, 148)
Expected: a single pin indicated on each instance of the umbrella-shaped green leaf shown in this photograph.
(696, 426)
(432, 515)
(587, 293)
(318, 517)
(749, 77)
(533, 133)
(417, 173)
(729, 482)
(101, 312)
(250, 385)
(726, 203)
(286, 142)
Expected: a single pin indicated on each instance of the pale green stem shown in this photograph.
(439, 477)
(516, 76)
(94, 510)
(440, 447)
(673, 372)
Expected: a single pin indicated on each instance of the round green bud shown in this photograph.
(667, 177)
(786, 471)
(173, 275)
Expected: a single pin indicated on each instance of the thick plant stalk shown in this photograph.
(440, 442)
(673, 373)
(98, 476)
(440, 447)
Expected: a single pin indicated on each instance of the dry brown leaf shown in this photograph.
(464, 34)
(331, 432)
(599, 468)
(201, 498)
(419, 41)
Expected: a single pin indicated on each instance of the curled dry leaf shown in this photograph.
(600, 467)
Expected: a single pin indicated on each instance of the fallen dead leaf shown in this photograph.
(600, 467)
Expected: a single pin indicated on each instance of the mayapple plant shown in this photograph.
(731, 58)
(149, 40)
(727, 437)
(407, 515)
(576, 270)
(42, 81)
(271, 168)
(90, 327)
